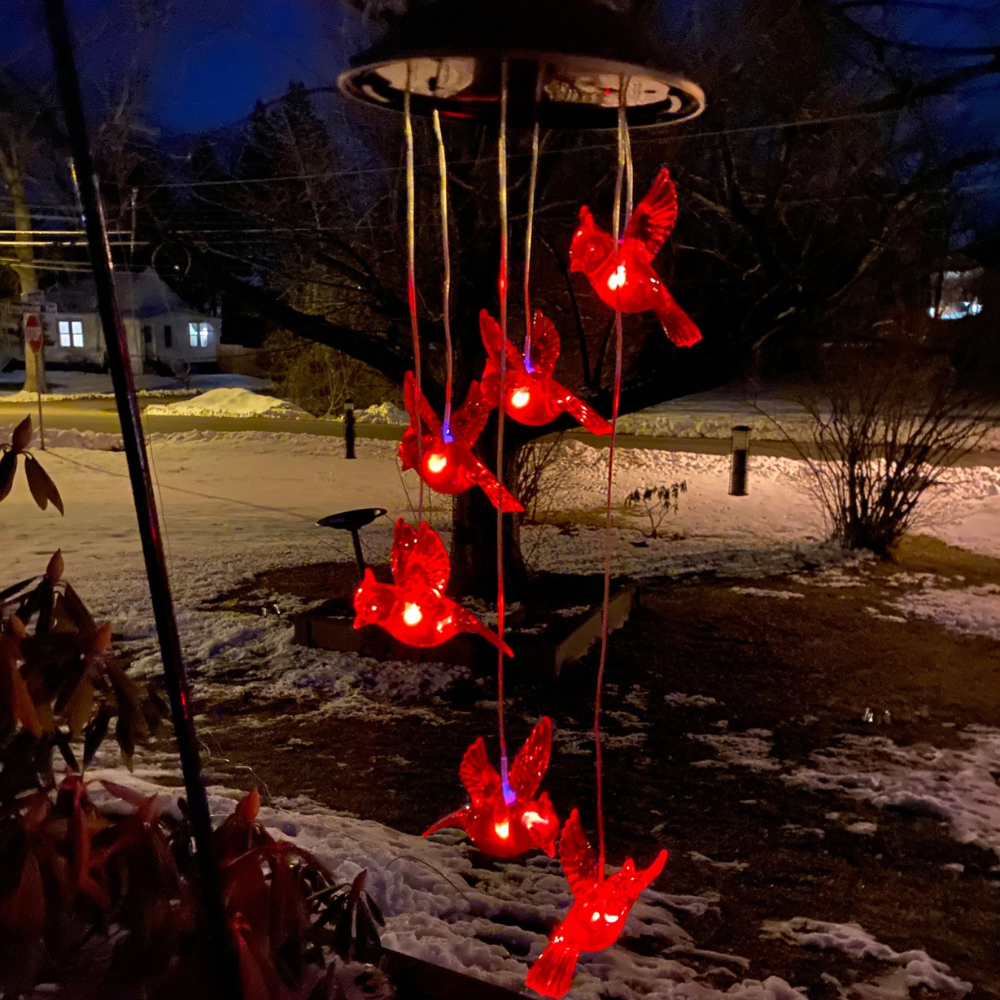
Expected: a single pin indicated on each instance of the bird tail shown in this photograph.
(488, 483)
(552, 974)
(585, 415)
(471, 623)
(677, 325)
(454, 820)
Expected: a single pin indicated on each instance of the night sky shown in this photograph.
(205, 62)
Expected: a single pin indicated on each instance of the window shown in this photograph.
(168, 336)
(147, 334)
(70, 333)
(200, 334)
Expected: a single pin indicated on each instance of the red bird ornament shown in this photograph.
(505, 819)
(414, 609)
(600, 908)
(531, 395)
(443, 459)
(629, 282)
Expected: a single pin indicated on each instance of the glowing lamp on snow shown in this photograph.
(627, 281)
(531, 395)
(413, 609)
(504, 820)
(446, 463)
(600, 908)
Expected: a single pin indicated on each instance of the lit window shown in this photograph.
(200, 334)
(70, 333)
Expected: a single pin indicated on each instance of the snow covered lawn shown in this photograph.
(761, 772)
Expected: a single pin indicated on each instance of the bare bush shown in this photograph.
(657, 503)
(320, 379)
(892, 418)
(532, 462)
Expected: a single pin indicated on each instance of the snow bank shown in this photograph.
(380, 413)
(229, 403)
(969, 610)
(69, 385)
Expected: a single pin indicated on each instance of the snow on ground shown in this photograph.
(492, 922)
(231, 402)
(88, 385)
(914, 968)
(955, 785)
(971, 610)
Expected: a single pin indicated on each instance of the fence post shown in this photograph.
(738, 468)
(349, 426)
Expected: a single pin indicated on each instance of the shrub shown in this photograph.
(657, 502)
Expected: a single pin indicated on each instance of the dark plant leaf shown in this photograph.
(62, 741)
(13, 851)
(21, 437)
(123, 732)
(42, 488)
(16, 589)
(77, 610)
(93, 735)
(8, 467)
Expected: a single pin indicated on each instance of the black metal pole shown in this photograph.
(359, 556)
(223, 947)
(349, 427)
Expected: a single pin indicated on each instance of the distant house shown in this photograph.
(162, 330)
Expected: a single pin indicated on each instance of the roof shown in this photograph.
(143, 295)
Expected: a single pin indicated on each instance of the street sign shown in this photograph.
(33, 333)
(33, 307)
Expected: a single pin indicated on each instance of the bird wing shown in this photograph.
(428, 418)
(654, 216)
(544, 344)
(576, 855)
(420, 551)
(479, 776)
(468, 421)
(493, 339)
(487, 482)
(644, 877)
(404, 540)
(579, 410)
(532, 760)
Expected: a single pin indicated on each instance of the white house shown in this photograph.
(162, 329)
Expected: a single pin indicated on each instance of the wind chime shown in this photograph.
(506, 815)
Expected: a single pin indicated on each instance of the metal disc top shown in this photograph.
(568, 60)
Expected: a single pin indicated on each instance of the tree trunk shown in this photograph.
(13, 175)
(474, 537)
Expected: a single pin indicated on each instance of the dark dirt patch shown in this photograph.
(803, 668)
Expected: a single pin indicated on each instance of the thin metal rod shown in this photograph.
(502, 289)
(446, 280)
(532, 183)
(623, 156)
(359, 555)
(411, 279)
(41, 425)
(222, 945)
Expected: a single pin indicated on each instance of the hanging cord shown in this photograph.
(446, 282)
(624, 157)
(411, 280)
(508, 794)
(532, 181)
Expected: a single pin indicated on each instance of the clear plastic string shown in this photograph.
(446, 281)
(411, 279)
(624, 158)
(532, 182)
(502, 289)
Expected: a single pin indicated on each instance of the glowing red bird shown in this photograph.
(598, 914)
(506, 820)
(443, 459)
(531, 395)
(630, 283)
(414, 608)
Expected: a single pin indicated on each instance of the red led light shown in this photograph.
(598, 914)
(628, 281)
(532, 397)
(450, 467)
(413, 608)
(500, 825)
